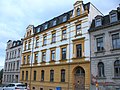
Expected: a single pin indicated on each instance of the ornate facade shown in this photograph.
(56, 54)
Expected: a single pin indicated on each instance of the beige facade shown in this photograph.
(56, 54)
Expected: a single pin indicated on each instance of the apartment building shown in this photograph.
(56, 54)
(11, 71)
(105, 51)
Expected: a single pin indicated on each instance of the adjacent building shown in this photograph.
(56, 54)
(11, 71)
(105, 51)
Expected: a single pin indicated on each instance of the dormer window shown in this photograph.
(98, 22)
(78, 12)
(38, 30)
(64, 18)
(54, 22)
(113, 17)
(46, 26)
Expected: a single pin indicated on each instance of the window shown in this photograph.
(4, 78)
(64, 18)
(113, 17)
(45, 40)
(46, 26)
(98, 22)
(53, 37)
(100, 44)
(79, 50)
(25, 47)
(28, 59)
(26, 75)
(36, 58)
(64, 53)
(78, 29)
(38, 30)
(15, 54)
(12, 78)
(53, 55)
(17, 65)
(7, 55)
(29, 44)
(63, 75)
(116, 41)
(51, 75)
(64, 35)
(24, 60)
(42, 75)
(19, 51)
(43, 56)
(41, 88)
(33, 88)
(117, 68)
(54, 22)
(37, 42)
(35, 73)
(101, 69)
(78, 12)
(22, 75)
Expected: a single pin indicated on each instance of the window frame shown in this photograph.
(51, 75)
(100, 44)
(63, 75)
(101, 69)
(117, 40)
(117, 67)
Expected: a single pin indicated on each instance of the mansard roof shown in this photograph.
(105, 21)
(59, 20)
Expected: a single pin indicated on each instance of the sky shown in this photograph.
(16, 15)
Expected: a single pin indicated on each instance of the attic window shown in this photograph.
(113, 17)
(98, 22)
(46, 26)
(78, 11)
(54, 22)
(38, 29)
(64, 18)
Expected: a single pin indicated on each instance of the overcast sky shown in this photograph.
(16, 15)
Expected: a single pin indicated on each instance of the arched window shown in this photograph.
(62, 75)
(78, 11)
(101, 69)
(117, 68)
(51, 75)
(42, 75)
(80, 71)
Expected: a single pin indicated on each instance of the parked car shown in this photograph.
(15, 86)
(2, 86)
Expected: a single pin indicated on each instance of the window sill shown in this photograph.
(43, 62)
(101, 77)
(53, 42)
(79, 57)
(36, 47)
(64, 39)
(116, 78)
(52, 61)
(62, 60)
(102, 51)
(78, 35)
(44, 45)
(115, 49)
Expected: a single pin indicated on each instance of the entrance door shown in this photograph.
(79, 79)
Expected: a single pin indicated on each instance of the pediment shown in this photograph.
(78, 2)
